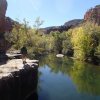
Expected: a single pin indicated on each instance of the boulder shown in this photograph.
(60, 55)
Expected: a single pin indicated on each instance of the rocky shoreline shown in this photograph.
(20, 85)
(15, 65)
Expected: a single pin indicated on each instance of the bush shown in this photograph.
(85, 40)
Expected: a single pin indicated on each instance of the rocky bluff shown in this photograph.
(3, 8)
(93, 15)
(5, 25)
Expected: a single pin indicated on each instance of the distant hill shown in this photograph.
(73, 23)
(92, 15)
(65, 27)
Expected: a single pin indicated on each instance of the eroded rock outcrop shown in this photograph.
(93, 15)
(9, 23)
(3, 42)
(3, 8)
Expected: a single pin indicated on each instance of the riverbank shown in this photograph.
(15, 65)
(20, 85)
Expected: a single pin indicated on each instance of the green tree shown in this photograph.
(37, 24)
(85, 41)
(19, 35)
(57, 41)
(67, 45)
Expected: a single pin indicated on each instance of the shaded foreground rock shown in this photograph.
(10, 66)
(20, 85)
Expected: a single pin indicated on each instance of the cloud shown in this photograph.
(63, 6)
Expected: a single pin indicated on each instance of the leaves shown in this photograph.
(85, 40)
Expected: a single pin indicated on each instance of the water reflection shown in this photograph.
(85, 77)
(20, 85)
(57, 64)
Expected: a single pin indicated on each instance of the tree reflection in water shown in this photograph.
(85, 76)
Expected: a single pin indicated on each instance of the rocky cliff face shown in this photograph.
(93, 15)
(4, 45)
(6, 23)
(9, 24)
(3, 8)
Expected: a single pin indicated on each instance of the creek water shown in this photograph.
(67, 79)
(54, 79)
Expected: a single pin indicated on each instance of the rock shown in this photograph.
(93, 15)
(59, 55)
(11, 56)
(16, 65)
(19, 85)
(3, 8)
(4, 45)
(9, 23)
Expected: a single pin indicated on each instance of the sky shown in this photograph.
(52, 12)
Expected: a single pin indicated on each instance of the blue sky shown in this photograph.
(53, 12)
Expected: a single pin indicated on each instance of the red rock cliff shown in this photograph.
(4, 45)
(3, 8)
(93, 15)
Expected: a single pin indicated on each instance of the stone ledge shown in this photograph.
(16, 65)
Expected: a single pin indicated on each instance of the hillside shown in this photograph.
(92, 15)
(65, 27)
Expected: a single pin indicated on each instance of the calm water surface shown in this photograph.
(65, 79)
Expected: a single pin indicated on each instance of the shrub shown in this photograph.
(85, 40)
